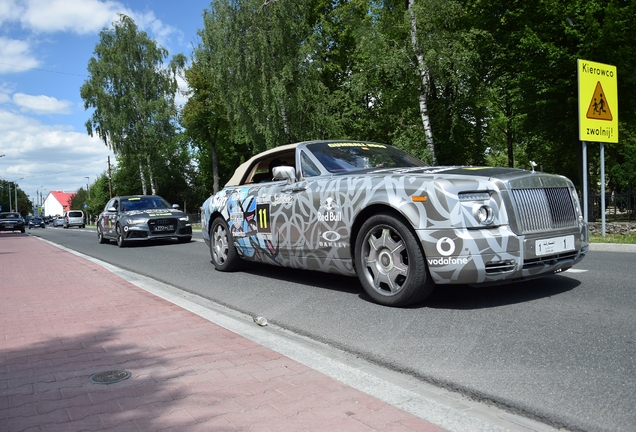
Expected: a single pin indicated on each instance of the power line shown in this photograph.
(42, 70)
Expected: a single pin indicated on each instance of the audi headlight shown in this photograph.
(136, 221)
(184, 218)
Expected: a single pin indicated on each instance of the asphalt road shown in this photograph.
(561, 349)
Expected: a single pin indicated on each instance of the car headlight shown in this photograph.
(136, 221)
(483, 214)
(474, 196)
(184, 218)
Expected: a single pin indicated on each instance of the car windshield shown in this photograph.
(143, 203)
(9, 216)
(353, 156)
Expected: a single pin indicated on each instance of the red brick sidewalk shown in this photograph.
(65, 318)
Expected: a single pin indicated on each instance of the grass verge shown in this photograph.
(613, 238)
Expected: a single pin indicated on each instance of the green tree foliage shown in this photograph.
(204, 119)
(498, 79)
(24, 206)
(263, 69)
(132, 95)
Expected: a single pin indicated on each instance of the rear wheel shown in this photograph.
(121, 242)
(222, 250)
(390, 263)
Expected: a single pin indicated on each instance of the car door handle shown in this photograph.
(295, 189)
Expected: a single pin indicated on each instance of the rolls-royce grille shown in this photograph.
(544, 209)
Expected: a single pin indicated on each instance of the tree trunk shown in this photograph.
(424, 85)
(215, 160)
(283, 114)
(142, 176)
(153, 182)
(510, 141)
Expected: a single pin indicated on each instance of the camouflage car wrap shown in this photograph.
(534, 225)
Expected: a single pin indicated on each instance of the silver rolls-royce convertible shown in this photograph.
(376, 212)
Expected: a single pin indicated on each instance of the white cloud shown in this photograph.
(10, 10)
(48, 157)
(15, 55)
(76, 16)
(160, 32)
(79, 16)
(42, 104)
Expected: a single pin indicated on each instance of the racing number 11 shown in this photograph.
(262, 213)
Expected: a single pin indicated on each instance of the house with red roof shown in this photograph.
(57, 202)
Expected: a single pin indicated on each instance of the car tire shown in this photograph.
(100, 236)
(121, 242)
(184, 239)
(222, 250)
(390, 263)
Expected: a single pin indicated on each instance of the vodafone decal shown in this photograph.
(446, 247)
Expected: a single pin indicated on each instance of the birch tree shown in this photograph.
(132, 95)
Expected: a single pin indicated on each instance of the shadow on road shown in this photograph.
(464, 297)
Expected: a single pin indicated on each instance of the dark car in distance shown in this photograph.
(37, 222)
(142, 217)
(11, 221)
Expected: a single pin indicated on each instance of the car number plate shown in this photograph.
(554, 245)
(164, 228)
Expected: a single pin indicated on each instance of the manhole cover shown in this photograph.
(109, 377)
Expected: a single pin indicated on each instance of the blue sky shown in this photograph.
(45, 46)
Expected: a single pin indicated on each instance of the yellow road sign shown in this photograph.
(598, 102)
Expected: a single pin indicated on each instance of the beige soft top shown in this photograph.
(242, 170)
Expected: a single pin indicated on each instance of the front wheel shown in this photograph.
(100, 236)
(222, 250)
(120, 237)
(390, 263)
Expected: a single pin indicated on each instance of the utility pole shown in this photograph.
(15, 191)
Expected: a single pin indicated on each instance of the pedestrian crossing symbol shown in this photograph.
(599, 109)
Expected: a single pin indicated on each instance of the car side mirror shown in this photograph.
(284, 173)
(175, 206)
(111, 209)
